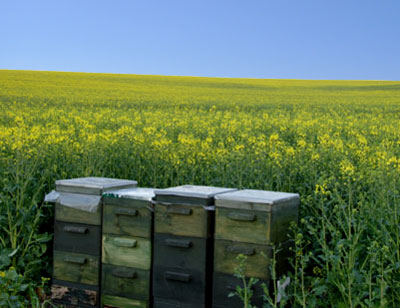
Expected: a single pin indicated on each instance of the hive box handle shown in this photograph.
(126, 212)
(242, 216)
(125, 242)
(75, 229)
(123, 273)
(177, 276)
(75, 259)
(179, 211)
(248, 251)
(178, 243)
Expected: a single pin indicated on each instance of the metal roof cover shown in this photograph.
(92, 185)
(251, 199)
(193, 194)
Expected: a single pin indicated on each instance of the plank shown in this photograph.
(126, 282)
(127, 251)
(182, 220)
(69, 214)
(110, 301)
(74, 267)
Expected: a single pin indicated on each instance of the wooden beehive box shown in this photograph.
(248, 222)
(77, 239)
(183, 246)
(127, 247)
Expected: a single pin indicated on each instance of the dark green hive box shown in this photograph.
(127, 247)
(248, 222)
(182, 210)
(77, 238)
(183, 245)
(255, 216)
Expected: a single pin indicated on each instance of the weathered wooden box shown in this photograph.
(184, 220)
(255, 216)
(127, 247)
(77, 239)
(250, 222)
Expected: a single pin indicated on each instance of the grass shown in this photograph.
(336, 143)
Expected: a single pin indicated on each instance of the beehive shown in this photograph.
(248, 222)
(127, 247)
(183, 244)
(77, 239)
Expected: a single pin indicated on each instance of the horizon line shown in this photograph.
(191, 76)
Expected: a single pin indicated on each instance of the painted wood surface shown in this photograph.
(258, 258)
(126, 282)
(78, 238)
(258, 227)
(121, 219)
(182, 220)
(69, 214)
(181, 251)
(74, 267)
(243, 225)
(282, 216)
(182, 285)
(110, 301)
(127, 251)
(64, 296)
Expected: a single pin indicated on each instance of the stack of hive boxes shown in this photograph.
(127, 247)
(182, 275)
(77, 239)
(248, 222)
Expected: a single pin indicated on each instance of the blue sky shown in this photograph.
(262, 39)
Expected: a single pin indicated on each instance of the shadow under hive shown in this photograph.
(182, 275)
(127, 247)
(248, 222)
(77, 239)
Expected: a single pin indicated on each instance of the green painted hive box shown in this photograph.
(184, 210)
(77, 238)
(128, 212)
(127, 247)
(255, 216)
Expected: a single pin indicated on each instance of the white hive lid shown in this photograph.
(193, 191)
(92, 185)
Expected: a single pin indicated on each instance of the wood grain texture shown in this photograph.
(127, 251)
(258, 227)
(126, 282)
(258, 258)
(243, 225)
(110, 301)
(181, 251)
(182, 285)
(69, 214)
(182, 220)
(120, 219)
(77, 238)
(74, 267)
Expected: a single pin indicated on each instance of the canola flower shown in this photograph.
(336, 143)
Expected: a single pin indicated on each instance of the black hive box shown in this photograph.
(77, 239)
(182, 275)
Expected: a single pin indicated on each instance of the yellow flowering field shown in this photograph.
(336, 143)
